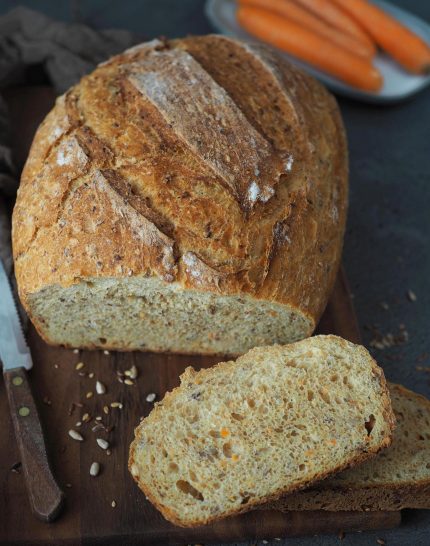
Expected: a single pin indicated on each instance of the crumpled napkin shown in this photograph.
(66, 52)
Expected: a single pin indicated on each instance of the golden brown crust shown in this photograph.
(117, 185)
(191, 375)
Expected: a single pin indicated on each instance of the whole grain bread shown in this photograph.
(186, 196)
(248, 431)
(398, 477)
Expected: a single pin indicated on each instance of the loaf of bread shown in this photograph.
(186, 196)
(247, 431)
(398, 477)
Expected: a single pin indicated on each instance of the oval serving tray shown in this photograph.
(398, 84)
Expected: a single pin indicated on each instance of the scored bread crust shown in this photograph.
(373, 497)
(114, 185)
(169, 514)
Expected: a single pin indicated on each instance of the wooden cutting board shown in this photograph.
(89, 517)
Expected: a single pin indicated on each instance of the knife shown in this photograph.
(46, 498)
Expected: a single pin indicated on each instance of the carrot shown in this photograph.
(404, 46)
(295, 12)
(309, 47)
(331, 14)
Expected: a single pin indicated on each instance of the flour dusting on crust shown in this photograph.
(202, 114)
(70, 153)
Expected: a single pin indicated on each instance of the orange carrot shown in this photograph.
(404, 46)
(295, 12)
(337, 18)
(309, 47)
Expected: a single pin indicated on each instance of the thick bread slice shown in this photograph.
(271, 422)
(397, 478)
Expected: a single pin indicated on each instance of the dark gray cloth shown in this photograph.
(66, 52)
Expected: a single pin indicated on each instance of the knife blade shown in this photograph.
(46, 498)
(14, 351)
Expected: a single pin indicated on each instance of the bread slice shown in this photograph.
(271, 422)
(397, 478)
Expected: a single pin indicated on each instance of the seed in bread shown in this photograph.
(271, 422)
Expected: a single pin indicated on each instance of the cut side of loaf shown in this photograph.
(398, 477)
(141, 313)
(248, 431)
(170, 204)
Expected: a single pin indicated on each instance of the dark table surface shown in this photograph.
(387, 240)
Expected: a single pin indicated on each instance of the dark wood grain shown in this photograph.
(339, 316)
(46, 498)
(89, 517)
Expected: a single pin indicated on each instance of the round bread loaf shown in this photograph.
(186, 196)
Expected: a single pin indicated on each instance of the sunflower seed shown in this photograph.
(75, 435)
(94, 469)
(106, 409)
(132, 372)
(100, 388)
(151, 397)
(89, 395)
(113, 504)
(79, 366)
(98, 428)
(116, 405)
(106, 352)
(412, 296)
(128, 381)
(85, 417)
(102, 443)
(91, 375)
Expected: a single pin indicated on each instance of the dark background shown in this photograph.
(387, 240)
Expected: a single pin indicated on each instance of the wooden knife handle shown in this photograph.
(46, 498)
